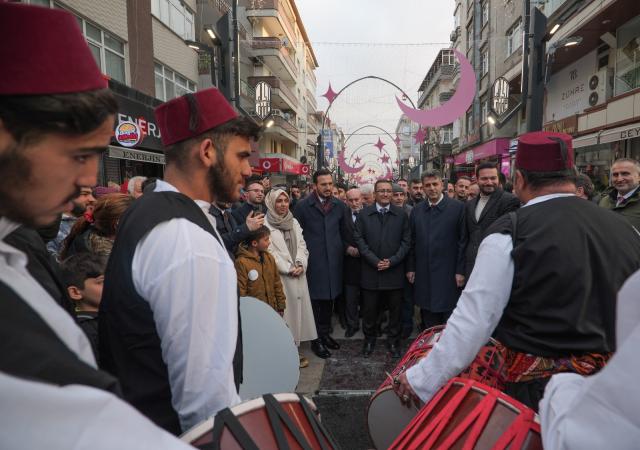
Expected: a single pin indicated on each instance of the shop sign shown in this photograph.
(468, 157)
(568, 90)
(500, 96)
(568, 125)
(136, 155)
(630, 134)
(263, 99)
(304, 170)
(127, 134)
(135, 125)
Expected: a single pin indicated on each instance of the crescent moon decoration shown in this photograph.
(344, 166)
(456, 107)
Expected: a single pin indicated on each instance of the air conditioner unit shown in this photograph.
(600, 86)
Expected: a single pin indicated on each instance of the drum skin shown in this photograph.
(467, 414)
(254, 419)
(387, 416)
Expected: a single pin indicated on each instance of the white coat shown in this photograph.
(298, 313)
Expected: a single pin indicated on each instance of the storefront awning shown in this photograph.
(494, 147)
(135, 155)
(606, 136)
(278, 163)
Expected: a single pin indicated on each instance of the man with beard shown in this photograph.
(168, 318)
(416, 194)
(56, 118)
(81, 204)
(485, 209)
(254, 201)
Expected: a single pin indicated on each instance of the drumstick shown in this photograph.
(393, 379)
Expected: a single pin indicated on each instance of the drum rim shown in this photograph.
(243, 408)
(375, 396)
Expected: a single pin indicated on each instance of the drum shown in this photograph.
(387, 416)
(470, 415)
(271, 422)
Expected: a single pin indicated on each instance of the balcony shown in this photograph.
(311, 101)
(443, 72)
(273, 16)
(281, 96)
(283, 128)
(312, 124)
(275, 55)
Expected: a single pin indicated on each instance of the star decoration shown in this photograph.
(330, 94)
(397, 141)
(371, 171)
(384, 159)
(420, 136)
(379, 144)
(358, 159)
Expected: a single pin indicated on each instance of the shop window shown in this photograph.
(514, 38)
(175, 15)
(170, 84)
(628, 57)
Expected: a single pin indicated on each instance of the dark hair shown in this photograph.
(320, 173)
(383, 181)
(256, 235)
(77, 268)
(430, 174)
(402, 179)
(29, 117)
(464, 177)
(342, 186)
(486, 165)
(294, 185)
(253, 179)
(178, 153)
(538, 180)
(415, 181)
(583, 181)
(106, 214)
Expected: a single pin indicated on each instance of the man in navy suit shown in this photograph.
(436, 262)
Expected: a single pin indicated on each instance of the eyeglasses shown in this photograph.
(384, 191)
(256, 190)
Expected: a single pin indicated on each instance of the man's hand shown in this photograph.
(353, 251)
(254, 221)
(384, 265)
(459, 280)
(411, 277)
(404, 390)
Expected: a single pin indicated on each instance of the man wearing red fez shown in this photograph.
(168, 319)
(56, 118)
(544, 283)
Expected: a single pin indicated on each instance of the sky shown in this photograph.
(397, 40)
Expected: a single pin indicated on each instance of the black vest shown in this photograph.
(570, 258)
(30, 349)
(129, 343)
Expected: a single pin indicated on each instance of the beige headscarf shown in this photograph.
(282, 223)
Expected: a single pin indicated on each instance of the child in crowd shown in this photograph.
(83, 275)
(257, 272)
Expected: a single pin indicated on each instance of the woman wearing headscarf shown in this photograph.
(291, 255)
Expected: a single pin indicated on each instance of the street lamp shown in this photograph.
(212, 34)
(566, 42)
(269, 122)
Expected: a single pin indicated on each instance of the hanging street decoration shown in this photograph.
(385, 159)
(330, 94)
(420, 136)
(379, 144)
(397, 141)
(344, 166)
(457, 105)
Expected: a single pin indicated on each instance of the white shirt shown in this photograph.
(436, 203)
(477, 314)
(44, 416)
(603, 410)
(14, 273)
(626, 196)
(41, 415)
(379, 207)
(190, 282)
(482, 202)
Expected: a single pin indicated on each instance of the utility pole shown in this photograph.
(536, 75)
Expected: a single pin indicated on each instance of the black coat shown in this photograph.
(352, 265)
(232, 234)
(324, 237)
(500, 203)
(439, 239)
(242, 212)
(383, 237)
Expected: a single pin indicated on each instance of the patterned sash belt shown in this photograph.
(521, 367)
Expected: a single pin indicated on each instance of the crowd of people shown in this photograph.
(120, 313)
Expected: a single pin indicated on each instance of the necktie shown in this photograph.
(225, 218)
(621, 200)
(383, 211)
(355, 215)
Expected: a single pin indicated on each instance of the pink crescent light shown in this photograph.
(457, 105)
(346, 167)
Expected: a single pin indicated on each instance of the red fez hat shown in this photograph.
(544, 151)
(192, 114)
(44, 52)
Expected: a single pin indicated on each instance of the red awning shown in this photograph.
(283, 165)
(494, 147)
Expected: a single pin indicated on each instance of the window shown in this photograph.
(514, 38)
(107, 49)
(448, 58)
(446, 135)
(470, 36)
(484, 62)
(484, 112)
(175, 15)
(170, 84)
(470, 122)
(485, 13)
(628, 57)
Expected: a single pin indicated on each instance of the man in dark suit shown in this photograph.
(352, 263)
(436, 262)
(322, 219)
(231, 232)
(483, 210)
(255, 193)
(383, 237)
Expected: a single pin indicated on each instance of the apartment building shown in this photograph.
(408, 149)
